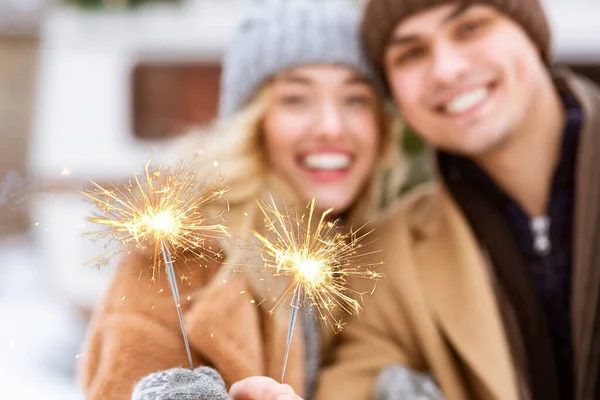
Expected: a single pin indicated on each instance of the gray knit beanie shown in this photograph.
(280, 34)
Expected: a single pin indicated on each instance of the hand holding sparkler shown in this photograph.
(165, 211)
(319, 263)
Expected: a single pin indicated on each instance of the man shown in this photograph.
(493, 274)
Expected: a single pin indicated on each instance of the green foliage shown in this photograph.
(411, 143)
(420, 169)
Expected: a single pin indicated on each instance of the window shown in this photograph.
(168, 99)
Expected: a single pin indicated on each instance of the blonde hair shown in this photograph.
(236, 146)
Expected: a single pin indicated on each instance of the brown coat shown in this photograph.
(135, 330)
(437, 310)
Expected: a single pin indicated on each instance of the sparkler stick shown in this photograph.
(318, 262)
(175, 291)
(165, 211)
(296, 302)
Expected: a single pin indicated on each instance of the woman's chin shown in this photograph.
(335, 207)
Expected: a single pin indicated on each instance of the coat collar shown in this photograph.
(454, 275)
(586, 262)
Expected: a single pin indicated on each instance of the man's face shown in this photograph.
(464, 77)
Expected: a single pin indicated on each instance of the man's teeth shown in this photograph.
(328, 162)
(466, 101)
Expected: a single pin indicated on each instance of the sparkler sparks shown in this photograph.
(166, 206)
(167, 210)
(319, 263)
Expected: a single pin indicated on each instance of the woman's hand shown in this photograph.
(203, 383)
(261, 388)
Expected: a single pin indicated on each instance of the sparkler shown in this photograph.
(319, 263)
(164, 210)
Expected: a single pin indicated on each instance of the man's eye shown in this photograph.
(469, 28)
(409, 55)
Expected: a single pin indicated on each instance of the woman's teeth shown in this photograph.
(327, 161)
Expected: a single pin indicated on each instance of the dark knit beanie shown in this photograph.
(382, 16)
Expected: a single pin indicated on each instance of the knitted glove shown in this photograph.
(203, 383)
(399, 383)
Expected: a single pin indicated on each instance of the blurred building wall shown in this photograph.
(17, 80)
(191, 98)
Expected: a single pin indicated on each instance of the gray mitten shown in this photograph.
(400, 383)
(203, 383)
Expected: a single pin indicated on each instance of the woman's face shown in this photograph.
(321, 133)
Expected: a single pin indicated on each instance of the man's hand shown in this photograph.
(261, 388)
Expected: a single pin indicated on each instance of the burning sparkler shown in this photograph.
(164, 210)
(318, 262)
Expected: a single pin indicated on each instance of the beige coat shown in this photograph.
(135, 330)
(437, 311)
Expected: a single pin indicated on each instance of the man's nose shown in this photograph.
(449, 63)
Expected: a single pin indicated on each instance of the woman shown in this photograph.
(300, 119)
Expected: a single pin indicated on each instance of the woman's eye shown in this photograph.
(293, 100)
(358, 100)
